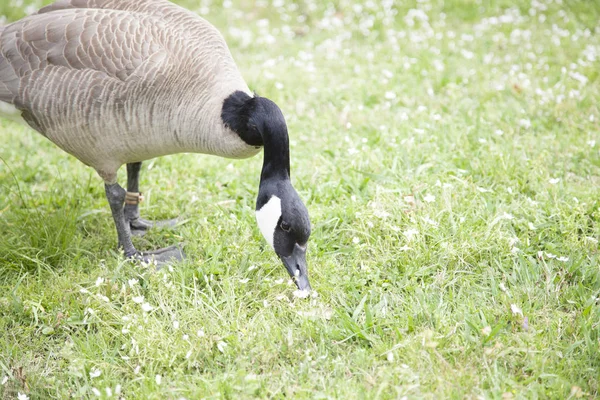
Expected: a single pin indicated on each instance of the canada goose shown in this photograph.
(116, 82)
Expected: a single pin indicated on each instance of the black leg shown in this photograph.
(116, 198)
(137, 225)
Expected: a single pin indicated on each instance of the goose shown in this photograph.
(118, 82)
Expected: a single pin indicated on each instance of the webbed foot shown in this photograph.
(139, 226)
(160, 257)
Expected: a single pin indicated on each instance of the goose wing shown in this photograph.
(56, 66)
(201, 37)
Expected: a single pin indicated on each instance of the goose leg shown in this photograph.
(116, 198)
(137, 225)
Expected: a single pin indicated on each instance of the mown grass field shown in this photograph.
(448, 153)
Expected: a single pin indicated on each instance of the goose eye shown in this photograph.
(285, 226)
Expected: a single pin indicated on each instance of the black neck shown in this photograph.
(258, 121)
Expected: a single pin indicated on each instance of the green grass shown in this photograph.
(451, 168)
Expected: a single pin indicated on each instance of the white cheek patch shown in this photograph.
(267, 218)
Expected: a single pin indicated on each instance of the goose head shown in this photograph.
(283, 221)
(281, 215)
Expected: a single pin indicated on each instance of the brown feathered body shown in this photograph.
(118, 81)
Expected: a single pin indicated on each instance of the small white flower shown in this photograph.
(96, 392)
(531, 226)
(430, 221)
(355, 240)
(301, 294)
(103, 298)
(132, 282)
(499, 132)
(563, 259)
(516, 310)
(200, 333)
(525, 123)
(175, 324)
(221, 346)
(554, 181)
(137, 369)
(429, 198)
(147, 307)
(410, 234)
(502, 287)
(118, 389)
(95, 373)
(138, 299)
(109, 392)
(22, 396)
(486, 331)
(99, 281)
(188, 354)
(84, 291)
(158, 379)
(390, 357)
(245, 280)
(507, 216)
(390, 95)
(4, 380)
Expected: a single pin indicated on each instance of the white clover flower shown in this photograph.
(301, 294)
(429, 198)
(516, 310)
(410, 234)
(138, 299)
(95, 373)
(221, 346)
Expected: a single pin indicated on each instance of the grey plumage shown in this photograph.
(120, 81)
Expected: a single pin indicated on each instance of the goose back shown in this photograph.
(112, 82)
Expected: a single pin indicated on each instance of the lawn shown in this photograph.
(448, 153)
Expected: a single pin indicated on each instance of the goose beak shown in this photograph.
(296, 267)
